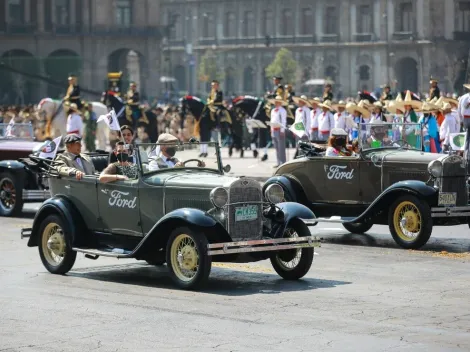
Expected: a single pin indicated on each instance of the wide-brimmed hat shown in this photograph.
(445, 107)
(73, 107)
(278, 99)
(450, 100)
(326, 104)
(378, 104)
(393, 107)
(315, 100)
(303, 99)
(415, 104)
(339, 104)
(428, 107)
(352, 107)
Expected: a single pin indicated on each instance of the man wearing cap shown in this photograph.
(71, 162)
(278, 128)
(73, 92)
(74, 121)
(434, 91)
(166, 157)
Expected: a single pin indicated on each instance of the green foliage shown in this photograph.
(208, 68)
(283, 65)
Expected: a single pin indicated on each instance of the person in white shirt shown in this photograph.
(324, 122)
(313, 133)
(337, 143)
(449, 125)
(278, 128)
(74, 121)
(463, 112)
(377, 112)
(340, 115)
(302, 114)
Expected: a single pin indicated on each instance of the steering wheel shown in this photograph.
(199, 162)
(402, 143)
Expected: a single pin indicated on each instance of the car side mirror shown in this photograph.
(227, 168)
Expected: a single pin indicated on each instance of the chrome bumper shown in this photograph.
(263, 245)
(32, 195)
(447, 212)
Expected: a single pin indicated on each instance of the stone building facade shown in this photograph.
(52, 38)
(359, 44)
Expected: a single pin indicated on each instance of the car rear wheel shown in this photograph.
(55, 254)
(293, 264)
(187, 259)
(410, 222)
(11, 195)
(359, 228)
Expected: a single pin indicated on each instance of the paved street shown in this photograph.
(362, 294)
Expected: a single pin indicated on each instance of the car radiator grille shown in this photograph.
(454, 178)
(244, 193)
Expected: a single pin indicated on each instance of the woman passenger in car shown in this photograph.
(123, 169)
(337, 143)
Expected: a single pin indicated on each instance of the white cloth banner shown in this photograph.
(111, 120)
(50, 149)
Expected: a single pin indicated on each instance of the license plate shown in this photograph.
(447, 199)
(246, 213)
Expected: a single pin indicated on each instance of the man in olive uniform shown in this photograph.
(133, 112)
(215, 102)
(386, 93)
(73, 92)
(434, 91)
(278, 89)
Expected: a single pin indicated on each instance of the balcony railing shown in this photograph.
(461, 35)
(403, 36)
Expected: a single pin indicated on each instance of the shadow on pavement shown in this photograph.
(221, 281)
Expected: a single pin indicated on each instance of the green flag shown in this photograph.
(298, 129)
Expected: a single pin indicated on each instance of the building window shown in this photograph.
(405, 17)
(123, 13)
(230, 80)
(248, 80)
(287, 26)
(364, 73)
(464, 16)
(208, 28)
(330, 73)
(364, 19)
(331, 20)
(268, 23)
(249, 24)
(62, 12)
(307, 22)
(230, 29)
(176, 30)
(16, 11)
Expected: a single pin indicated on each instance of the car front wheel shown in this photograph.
(11, 195)
(55, 254)
(410, 222)
(187, 259)
(359, 228)
(293, 264)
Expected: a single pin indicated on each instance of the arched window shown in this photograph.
(248, 79)
(364, 73)
(287, 27)
(307, 22)
(249, 24)
(268, 23)
(208, 28)
(230, 25)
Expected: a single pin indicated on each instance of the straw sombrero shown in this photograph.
(340, 104)
(73, 107)
(393, 108)
(467, 86)
(315, 100)
(278, 99)
(352, 107)
(415, 104)
(303, 99)
(326, 104)
(377, 104)
(445, 107)
(450, 100)
(428, 107)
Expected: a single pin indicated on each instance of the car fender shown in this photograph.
(291, 212)
(386, 198)
(63, 207)
(190, 217)
(12, 165)
(292, 188)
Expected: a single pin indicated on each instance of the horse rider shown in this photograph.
(434, 91)
(278, 89)
(215, 103)
(327, 93)
(73, 92)
(386, 93)
(133, 112)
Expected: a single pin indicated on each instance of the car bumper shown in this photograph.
(449, 212)
(262, 245)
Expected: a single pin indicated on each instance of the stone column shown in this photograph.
(353, 17)
(449, 19)
(40, 15)
(419, 11)
(319, 20)
(391, 19)
(377, 15)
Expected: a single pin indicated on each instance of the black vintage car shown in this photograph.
(188, 217)
(390, 181)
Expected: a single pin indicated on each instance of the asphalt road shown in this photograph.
(362, 294)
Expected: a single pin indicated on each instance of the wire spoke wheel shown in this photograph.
(407, 220)
(53, 244)
(289, 259)
(7, 194)
(184, 257)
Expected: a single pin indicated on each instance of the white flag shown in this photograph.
(298, 129)
(9, 130)
(50, 149)
(457, 140)
(111, 120)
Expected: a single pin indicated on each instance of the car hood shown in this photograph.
(192, 180)
(406, 156)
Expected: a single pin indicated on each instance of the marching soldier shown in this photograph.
(73, 92)
(434, 91)
(133, 112)
(386, 93)
(327, 93)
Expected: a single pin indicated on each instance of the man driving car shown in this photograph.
(166, 158)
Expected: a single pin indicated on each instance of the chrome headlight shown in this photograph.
(435, 168)
(274, 193)
(219, 197)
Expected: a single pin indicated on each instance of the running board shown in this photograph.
(332, 219)
(95, 253)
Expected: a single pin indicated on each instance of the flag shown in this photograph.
(111, 120)
(298, 129)
(457, 141)
(50, 149)
(9, 130)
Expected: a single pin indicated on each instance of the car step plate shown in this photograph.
(335, 219)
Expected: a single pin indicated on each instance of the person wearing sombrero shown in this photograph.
(448, 126)
(324, 122)
(316, 110)
(377, 112)
(409, 105)
(302, 114)
(429, 128)
(278, 128)
(340, 115)
(74, 121)
(360, 115)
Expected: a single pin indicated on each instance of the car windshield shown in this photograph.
(159, 157)
(16, 130)
(390, 135)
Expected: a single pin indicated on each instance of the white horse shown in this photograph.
(49, 109)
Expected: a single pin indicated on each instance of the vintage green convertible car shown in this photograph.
(390, 181)
(185, 216)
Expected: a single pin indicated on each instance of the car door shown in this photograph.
(119, 207)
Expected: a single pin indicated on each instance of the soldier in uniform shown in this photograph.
(278, 89)
(386, 93)
(215, 103)
(327, 93)
(73, 92)
(133, 112)
(434, 91)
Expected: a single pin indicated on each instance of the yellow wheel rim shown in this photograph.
(53, 244)
(407, 221)
(184, 257)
